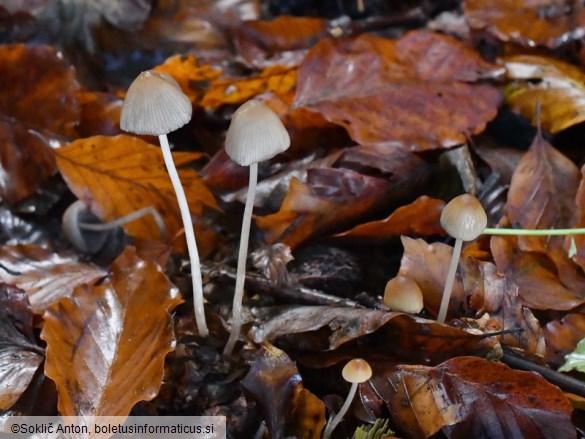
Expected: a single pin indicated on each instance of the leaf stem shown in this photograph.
(189, 236)
(534, 232)
(242, 256)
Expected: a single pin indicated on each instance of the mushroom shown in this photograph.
(255, 134)
(156, 105)
(88, 234)
(355, 372)
(404, 295)
(464, 219)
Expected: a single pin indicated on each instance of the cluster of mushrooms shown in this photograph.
(156, 105)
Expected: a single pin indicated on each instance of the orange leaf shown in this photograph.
(192, 77)
(276, 79)
(414, 91)
(119, 175)
(106, 344)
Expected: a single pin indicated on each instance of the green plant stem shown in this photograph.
(189, 236)
(534, 232)
(242, 256)
(449, 281)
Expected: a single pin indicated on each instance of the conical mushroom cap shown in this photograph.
(155, 105)
(464, 218)
(255, 134)
(357, 371)
(404, 295)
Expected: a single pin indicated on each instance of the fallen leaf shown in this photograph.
(556, 85)
(276, 384)
(193, 77)
(276, 79)
(562, 336)
(37, 77)
(579, 240)
(279, 41)
(418, 92)
(45, 276)
(119, 175)
(542, 196)
(106, 344)
(420, 218)
(307, 416)
(575, 360)
(20, 356)
(527, 22)
(26, 160)
(100, 114)
(471, 397)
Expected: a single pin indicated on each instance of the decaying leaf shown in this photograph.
(37, 77)
(106, 344)
(563, 335)
(119, 175)
(45, 276)
(19, 355)
(418, 94)
(527, 22)
(420, 218)
(556, 85)
(471, 397)
(276, 384)
(579, 216)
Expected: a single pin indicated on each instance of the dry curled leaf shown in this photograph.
(20, 357)
(45, 276)
(106, 344)
(471, 397)
(562, 336)
(419, 91)
(557, 86)
(119, 175)
(527, 22)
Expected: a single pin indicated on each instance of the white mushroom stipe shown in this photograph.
(155, 105)
(464, 219)
(256, 133)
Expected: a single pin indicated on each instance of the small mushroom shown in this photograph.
(464, 219)
(404, 295)
(255, 134)
(156, 105)
(355, 372)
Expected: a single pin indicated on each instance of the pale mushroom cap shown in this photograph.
(357, 371)
(404, 295)
(256, 133)
(155, 105)
(464, 218)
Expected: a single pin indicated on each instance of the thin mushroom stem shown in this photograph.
(339, 416)
(189, 236)
(242, 256)
(118, 222)
(450, 280)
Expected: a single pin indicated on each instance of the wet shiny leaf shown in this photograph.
(100, 337)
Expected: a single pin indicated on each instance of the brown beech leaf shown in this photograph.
(193, 77)
(100, 114)
(556, 85)
(106, 344)
(307, 417)
(416, 91)
(562, 336)
(277, 41)
(19, 355)
(427, 265)
(542, 195)
(579, 258)
(279, 80)
(26, 159)
(275, 383)
(474, 398)
(397, 335)
(119, 175)
(420, 218)
(45, 276)
(527, 22)
(39, 88)
(536, 276)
